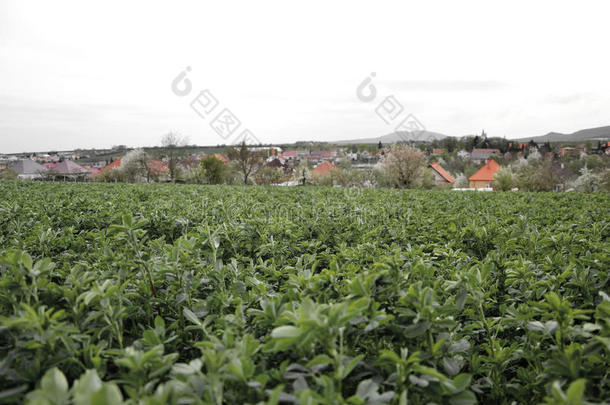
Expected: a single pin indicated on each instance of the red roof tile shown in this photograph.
(323, 169)
(442, 172)
(158, 166)
(114, 165)
(222, 157)
(487, 172)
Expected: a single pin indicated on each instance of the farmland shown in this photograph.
(160, 294)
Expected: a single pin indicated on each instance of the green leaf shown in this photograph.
(285, 332)
(55, 386)
(460, 299)
(349, 367)
(557, 392)
(416, 330)
(463, 398)
(429, 372)
(576, 391)
(127, 220)
(319, 360)
(461, 382)
(536, 326)
(367, 389)
(451, 366)
(85, 386)
(236, 367)
(109, 394)
(159, 322)
(188, 314)
(26, 259)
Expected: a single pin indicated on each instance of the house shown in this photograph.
(315, 156)
(382, 152)
(485, 175)
(156, 169)
(278, 164)
(441, 176)
(568, 151)
(28, 169)
(190, 162)
(290, 155)
(323, 169)
(113, 165)
(99, 164)
(50, 165)
(222, 157)
(273, 157)
(437, 151)
(94, 171)
(68, 168)
(158, 166)
(43, 157)
(483, 154)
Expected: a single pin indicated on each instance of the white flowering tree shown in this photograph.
(134, 165)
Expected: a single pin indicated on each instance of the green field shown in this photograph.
(167, 294)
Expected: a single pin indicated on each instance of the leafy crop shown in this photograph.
(167, 294)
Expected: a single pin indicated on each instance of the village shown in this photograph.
(456, 164)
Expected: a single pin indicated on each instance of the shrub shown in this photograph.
(504, 180)
(538, 176)
(213, 170)
(405, 166)
(8, 174)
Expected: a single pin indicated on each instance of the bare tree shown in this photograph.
(405, 166)
(171, 142)
(247, 161)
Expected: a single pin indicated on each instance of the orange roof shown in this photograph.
(222, 157)
(158, 166)
(487, 172)
(114, 165)
(323, 169)
(442, 172)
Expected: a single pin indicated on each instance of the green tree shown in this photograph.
(248, 162)
(214, 171)
(269, 175)
(538, 176)
(8, 174)
(504, 180)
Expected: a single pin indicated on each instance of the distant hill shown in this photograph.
(591, 134)
(397, 137)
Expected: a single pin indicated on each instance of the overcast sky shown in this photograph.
(96, 74)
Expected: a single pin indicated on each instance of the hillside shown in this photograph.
(396, 137)
(591, 134)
